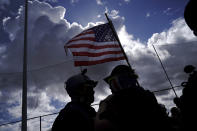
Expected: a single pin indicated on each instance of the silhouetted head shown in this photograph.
(120, 70)
(174, 111)
(177, 101)
(81, 86)
(191, 15)
(121, 77)
(189, 69)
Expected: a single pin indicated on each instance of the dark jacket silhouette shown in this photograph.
(187, 101)
(130, 107)
(77, 115)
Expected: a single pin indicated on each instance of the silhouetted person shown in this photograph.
(129, 107)
(176, 119)
(191, 15)
(77, 115)
(187, 101)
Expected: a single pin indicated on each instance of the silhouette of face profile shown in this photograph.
(87, 93)
(121, 81)
(114, 85)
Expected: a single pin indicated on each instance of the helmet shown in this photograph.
(189, 68)
(74, 84)
(120, 69)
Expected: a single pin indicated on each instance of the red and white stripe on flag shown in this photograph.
(95, 46)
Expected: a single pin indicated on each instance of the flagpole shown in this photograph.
(115, 34)
(24, 91)
(117, 38)
(164, 71)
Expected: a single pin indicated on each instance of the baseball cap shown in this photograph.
(120, 69)
(75, 83)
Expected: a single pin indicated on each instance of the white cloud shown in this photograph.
(99, 2)
(174, 57)
(106, 10)
(99, 16)
(44, 19)
(178, 33)
(127, 1)
(116, 18)
(12, 28)
(147, 14)
(42, 107)
(74, 1)
(167, 11)
(54, 1)
(14, 127)
(114, 13)
(15, 111)
(47, 33)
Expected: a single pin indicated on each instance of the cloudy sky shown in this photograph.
(51, 23)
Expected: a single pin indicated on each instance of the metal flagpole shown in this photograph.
(165, 71)
(24, 91)
(117, 38)
(115, 34)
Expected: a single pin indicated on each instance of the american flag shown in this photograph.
(95, 46)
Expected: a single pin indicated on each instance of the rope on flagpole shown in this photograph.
(165, 71)
(117, 38)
